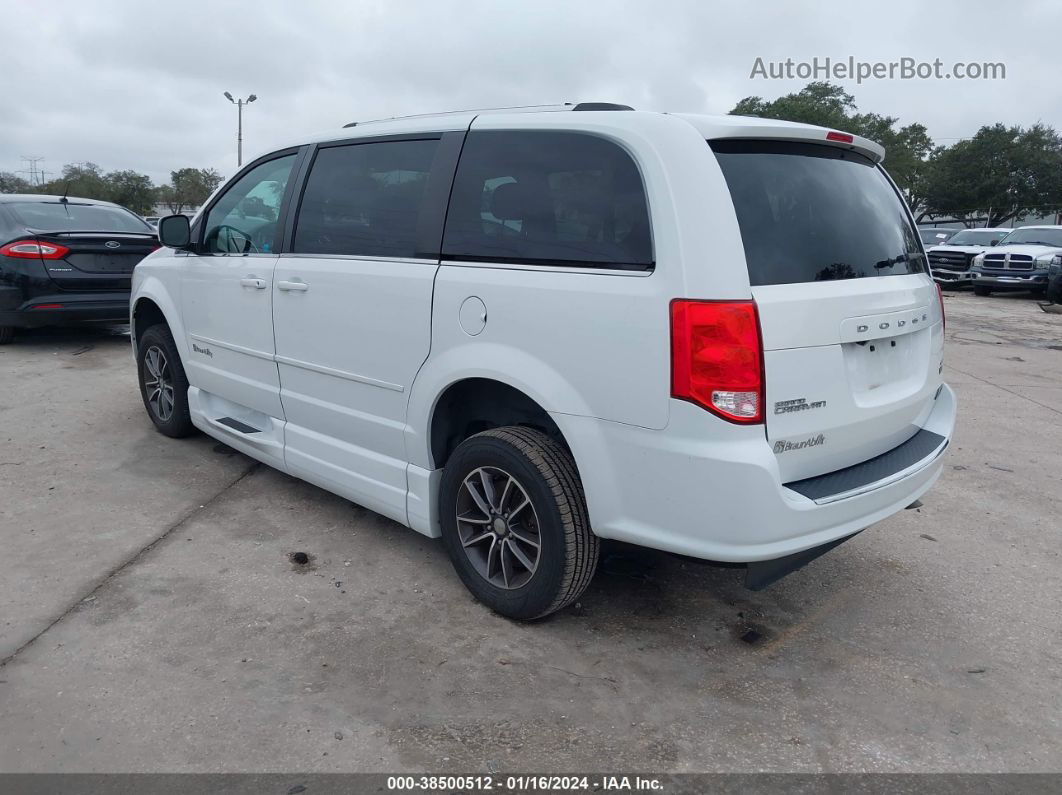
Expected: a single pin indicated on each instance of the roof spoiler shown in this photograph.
(725, 127)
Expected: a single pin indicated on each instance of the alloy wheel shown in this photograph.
(158, 383)
(498, 527)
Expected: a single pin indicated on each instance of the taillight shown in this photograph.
(717, 357)
(844, 138)
(940, 298)
(26, 249)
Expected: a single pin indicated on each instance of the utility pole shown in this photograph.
(239, 103)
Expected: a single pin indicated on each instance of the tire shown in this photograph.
(543, 473)
(176, 422)
(7, 335)
(979, 290)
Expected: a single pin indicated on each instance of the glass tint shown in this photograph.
(1034, 236)
(548, 198)
(246, 219)
(977, 237)
(365, 199)
(57, 216)
(816, 213)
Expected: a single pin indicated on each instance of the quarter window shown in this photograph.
(365, 199)
(548, 198)
(245, 220)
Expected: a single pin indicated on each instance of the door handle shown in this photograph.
(293, 286)
(253, 281)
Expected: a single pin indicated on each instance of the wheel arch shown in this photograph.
(505, 365)
(150, 306)
(474, 404)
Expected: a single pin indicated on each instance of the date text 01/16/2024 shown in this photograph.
(516, 783)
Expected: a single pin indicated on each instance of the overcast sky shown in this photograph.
(139, 85)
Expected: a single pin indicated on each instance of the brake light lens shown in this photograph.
(717, 358)
(940, 298)
(844, 138)
(28, 249)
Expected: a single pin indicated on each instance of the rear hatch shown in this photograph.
(98, 244)
(851, 321)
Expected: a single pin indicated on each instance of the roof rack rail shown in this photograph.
(601, 106)
(516, 108)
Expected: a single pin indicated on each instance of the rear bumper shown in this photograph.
(1020, 280)
(68, 308)
(723, 499)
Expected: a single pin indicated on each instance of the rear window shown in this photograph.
(72, 217)
(812, 213)
(548, 198)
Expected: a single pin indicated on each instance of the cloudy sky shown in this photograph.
(139, 85)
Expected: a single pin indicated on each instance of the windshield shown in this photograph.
(816, 213)
(935, 237)
(60, 216)
(977, 237)
(1033, 236)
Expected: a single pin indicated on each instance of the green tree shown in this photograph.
(131, 190)
(13, 183)
(83, 180)
(827, 105)
(1004, 172)
(189, 187)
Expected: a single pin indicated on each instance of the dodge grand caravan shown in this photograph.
(528, 330)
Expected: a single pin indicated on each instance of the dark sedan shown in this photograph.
(66, 260)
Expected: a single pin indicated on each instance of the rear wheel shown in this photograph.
(163, 385)
(979, 290)
(7, 334)
(515, 524)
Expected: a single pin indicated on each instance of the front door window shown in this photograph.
(246, 220)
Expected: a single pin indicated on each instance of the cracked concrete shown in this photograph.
(175, 637)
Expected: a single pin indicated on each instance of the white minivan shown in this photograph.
(530, 329)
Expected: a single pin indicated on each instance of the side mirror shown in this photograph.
(993, 242)
(175, 231)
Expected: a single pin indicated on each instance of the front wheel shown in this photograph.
(515, 524)
(163, 384)
(7, 334)
(979, 290)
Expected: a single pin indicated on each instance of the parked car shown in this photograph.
(528, 331)
(1021, 261)
(65, 260)
(153, 221)
(934, 236)
(950, 261)
(1054, 282)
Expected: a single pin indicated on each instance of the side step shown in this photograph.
(766, 572)
(236, 425)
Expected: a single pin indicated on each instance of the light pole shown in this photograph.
(239, 103)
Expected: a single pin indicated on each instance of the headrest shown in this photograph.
(513, 201)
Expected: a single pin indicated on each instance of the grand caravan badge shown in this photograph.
(785, 447)
(797, 404)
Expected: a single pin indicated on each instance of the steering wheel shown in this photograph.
(230, 240)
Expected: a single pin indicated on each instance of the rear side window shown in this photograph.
(365, 199)
(57, 216)
(813, 213)
(548, 198)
